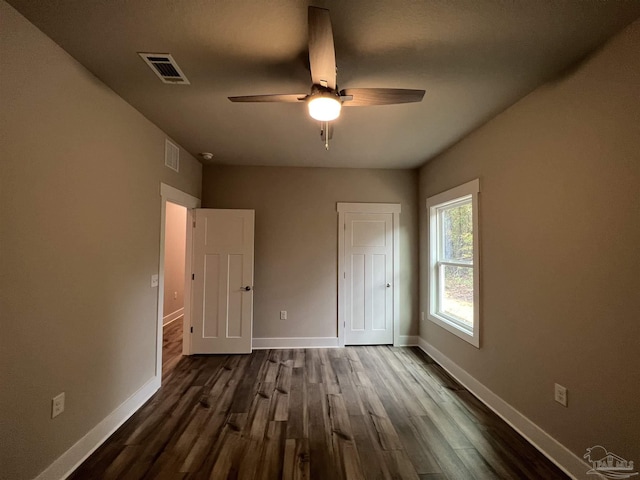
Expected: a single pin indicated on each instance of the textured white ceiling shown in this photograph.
(473, 57)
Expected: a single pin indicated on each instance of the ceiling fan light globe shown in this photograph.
(324, 108)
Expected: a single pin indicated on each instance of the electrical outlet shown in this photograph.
(57, 405)
(422, 316)
(154, 280)
(283, 314)
(561, 395)
(175, 295)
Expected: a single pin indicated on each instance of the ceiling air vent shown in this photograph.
(165, 67)
(171, 156)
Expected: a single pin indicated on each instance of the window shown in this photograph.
(453, 261)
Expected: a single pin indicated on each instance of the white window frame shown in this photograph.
(461, 193)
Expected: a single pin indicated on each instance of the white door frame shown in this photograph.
(173, 195)
(344, 208)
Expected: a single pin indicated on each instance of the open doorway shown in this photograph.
(175, 241)
(174, 315)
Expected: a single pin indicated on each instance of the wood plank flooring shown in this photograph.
(353, 413)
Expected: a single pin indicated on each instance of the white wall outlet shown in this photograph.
(283, 314)
(560, 394)
(57, 405)
(175, 295)
(422, 316)
(154, 280)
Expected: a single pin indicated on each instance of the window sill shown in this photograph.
(471, 337)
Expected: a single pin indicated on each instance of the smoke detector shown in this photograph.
(206, 156)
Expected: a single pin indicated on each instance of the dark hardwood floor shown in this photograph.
(352, 413)
(171, 348)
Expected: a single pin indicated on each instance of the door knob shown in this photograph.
(247, 288)
(388, 285)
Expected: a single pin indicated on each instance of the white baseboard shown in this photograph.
(295, 342)
(407, 341)
(560, 455)
(167, 319)
(72, 458)
(318, 342)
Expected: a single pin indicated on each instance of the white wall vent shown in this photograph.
(165, 67)
(171, 156)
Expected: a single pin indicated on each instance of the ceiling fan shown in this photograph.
(325, 101)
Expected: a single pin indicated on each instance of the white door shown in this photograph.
(222, 282)
(368, 278)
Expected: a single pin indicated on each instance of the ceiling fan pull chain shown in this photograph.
(326, 135)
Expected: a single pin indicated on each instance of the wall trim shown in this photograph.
(172, 317)
(560, 455)
(317, 342)
(78, 453)
(294, 342)
(407, 341)
(363, 207)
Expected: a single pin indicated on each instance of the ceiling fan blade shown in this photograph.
(322, 54)
(293, 97)
(362, 97)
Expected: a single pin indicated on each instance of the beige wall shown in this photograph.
(79, 238)
(296, 239)
(174, 250)
(560, 251)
